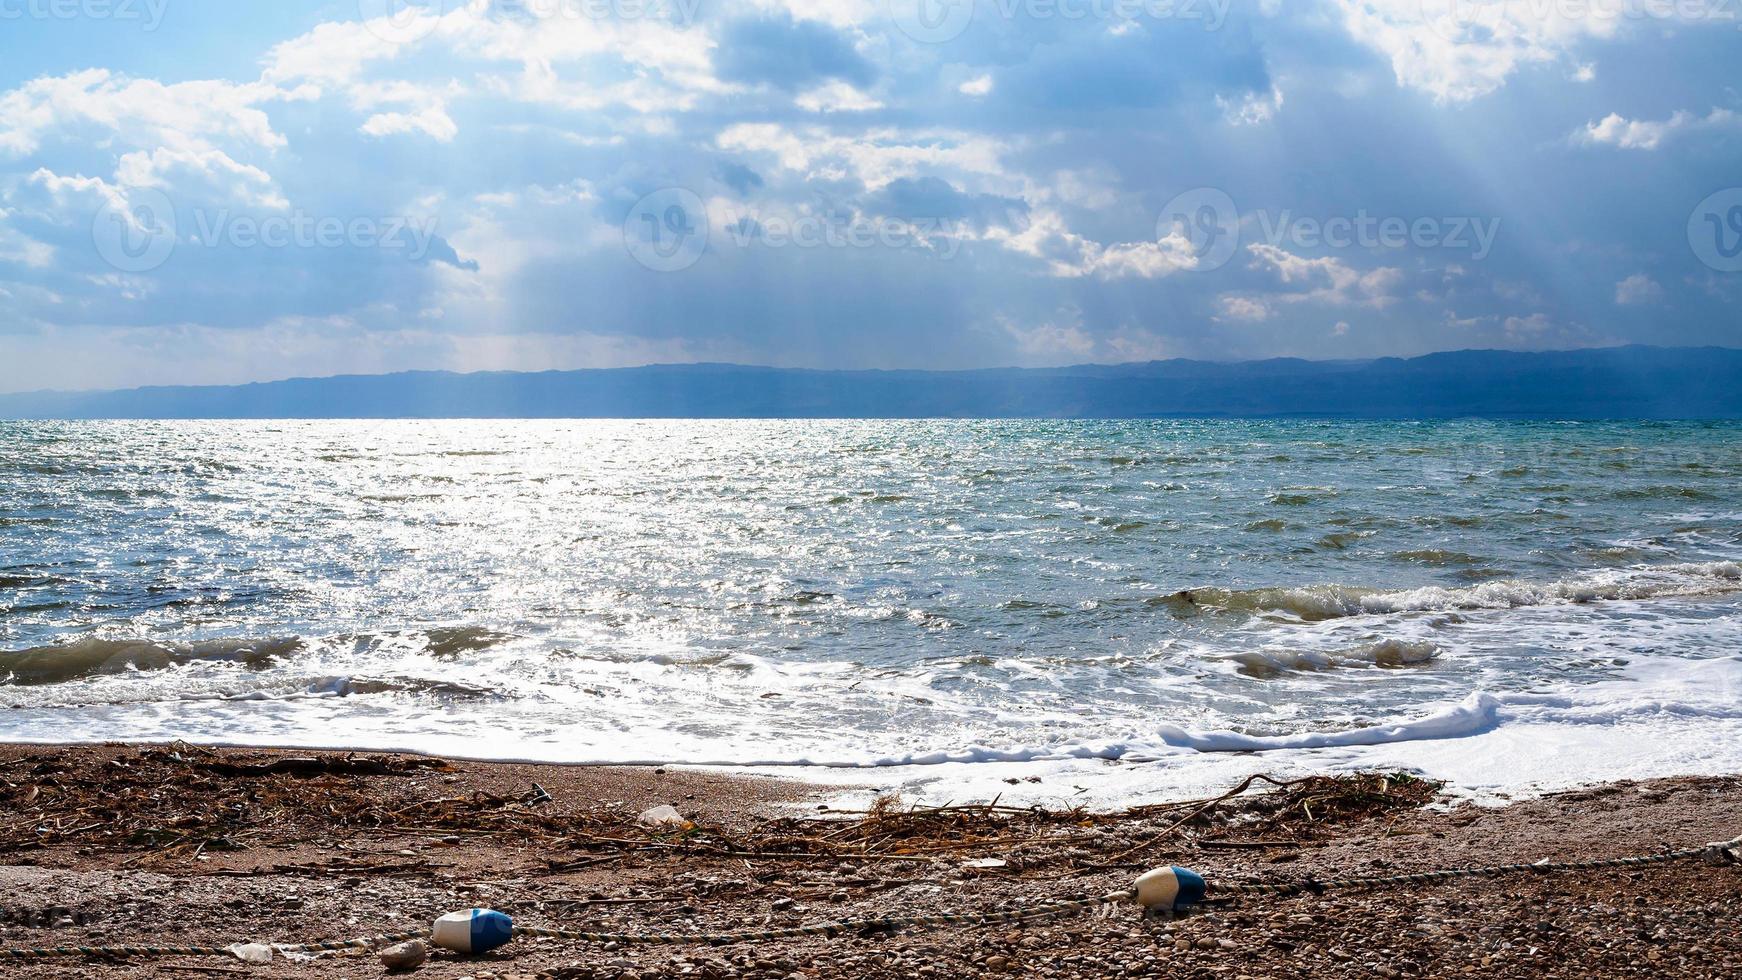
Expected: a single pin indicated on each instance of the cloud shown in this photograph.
(933, 197)
(440, 250)
(738, 177)
(1243, 308)
(1641, 134)
(1047, 148)
(1251, 109)
(836, 97)
(1461, 50)
(873, 157)
(1069, 255)
(1327, 279)
(433, 122)
(786, 53)
(141, 112)
(1638, 289)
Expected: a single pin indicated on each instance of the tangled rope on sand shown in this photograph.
(1163, 890)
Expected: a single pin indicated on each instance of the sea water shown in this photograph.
(1119, 608)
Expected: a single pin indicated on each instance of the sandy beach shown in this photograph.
(177, 845)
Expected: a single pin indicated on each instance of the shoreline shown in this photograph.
(183, 845)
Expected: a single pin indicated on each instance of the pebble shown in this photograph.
(405, 956)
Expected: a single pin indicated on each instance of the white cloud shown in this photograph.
(1233, 307)
(1637, 290)
(1253, 109)
(15, 246)
(1052, 343)
(1327, 279)
(1458, 50)
(874, 157)
(184, 136)
(836, 97)
(977, 86)
(1644, 134)
(1069, 255)
(219, 175)
(433, 122)
(141, 112)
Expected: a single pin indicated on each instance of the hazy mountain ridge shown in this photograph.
(1617, 382)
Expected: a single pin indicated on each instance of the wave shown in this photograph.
(92, 657)
(1384, 653)
(1313, 603)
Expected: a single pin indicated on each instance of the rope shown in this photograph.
(367, 942)
(1051, 910)
(1715, 851)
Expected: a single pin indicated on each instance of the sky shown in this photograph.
(222, 191)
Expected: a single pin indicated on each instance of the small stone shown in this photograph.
(405, 956)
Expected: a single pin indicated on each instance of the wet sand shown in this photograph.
(176, 845)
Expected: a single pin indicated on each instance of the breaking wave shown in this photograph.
(1320, 602)
(91, 657)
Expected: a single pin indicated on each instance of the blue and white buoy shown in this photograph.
(1170, 889)
(472, 931)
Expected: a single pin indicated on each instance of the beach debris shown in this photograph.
(663, 817)
(539, 795)
(251, 952)
(171, 805)
(405, 956)
(472, 930)
(307, 768)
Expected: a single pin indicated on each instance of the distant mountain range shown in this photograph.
(1615, 382)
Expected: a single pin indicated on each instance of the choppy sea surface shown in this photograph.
(1118, 606)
